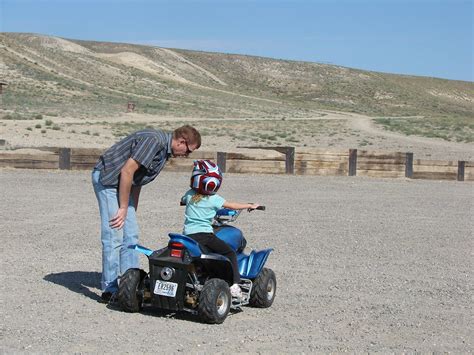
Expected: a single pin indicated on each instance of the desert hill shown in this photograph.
(65, 92)
(72, 76)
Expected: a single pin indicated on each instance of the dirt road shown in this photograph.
(363, 265)
(329, 130)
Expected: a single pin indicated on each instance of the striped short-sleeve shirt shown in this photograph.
(150, 148)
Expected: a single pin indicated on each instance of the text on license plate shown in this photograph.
(164, 288)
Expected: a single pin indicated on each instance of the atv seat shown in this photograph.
(193, 246)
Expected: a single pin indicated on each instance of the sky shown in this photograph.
(431, 38)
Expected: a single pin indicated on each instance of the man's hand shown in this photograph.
(119, 219)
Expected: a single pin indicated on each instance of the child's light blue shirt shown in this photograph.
(198, 216)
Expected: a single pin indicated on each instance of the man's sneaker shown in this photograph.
(114, 299)
(235, 291)
(106, 297)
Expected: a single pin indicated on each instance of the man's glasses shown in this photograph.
(188, 151)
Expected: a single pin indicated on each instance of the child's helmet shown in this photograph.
(206, 177)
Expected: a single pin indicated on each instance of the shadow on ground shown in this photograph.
(77, 281)
(82, 281)
(162, 313)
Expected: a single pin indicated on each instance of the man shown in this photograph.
(117, 179)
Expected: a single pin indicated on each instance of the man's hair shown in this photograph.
(189, 133)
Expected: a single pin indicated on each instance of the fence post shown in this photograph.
(352, 162)
(409, 165)
(65, 158)
(221, 161)
(461, 166)
(290, 160)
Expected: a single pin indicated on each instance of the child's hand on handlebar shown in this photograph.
(253, 206)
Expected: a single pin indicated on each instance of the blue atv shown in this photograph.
(186, 276)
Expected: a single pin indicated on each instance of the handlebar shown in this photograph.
(260, 208)
(226, 215)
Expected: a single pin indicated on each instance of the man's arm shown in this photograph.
(125, 186)
(136, 195)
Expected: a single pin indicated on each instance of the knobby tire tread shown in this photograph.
(207, 305)
(258, 296)
(127, 295)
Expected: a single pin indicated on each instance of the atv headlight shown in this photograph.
(167, 273)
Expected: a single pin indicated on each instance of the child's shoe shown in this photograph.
(235, 291)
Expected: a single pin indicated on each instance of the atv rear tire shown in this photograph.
(264, 289)
(130, 294)
(214, 301)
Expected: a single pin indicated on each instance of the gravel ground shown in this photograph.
(362, 265)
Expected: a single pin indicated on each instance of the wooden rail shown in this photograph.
(266, 160)
(321, 162)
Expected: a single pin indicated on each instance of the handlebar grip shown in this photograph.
(261, 208)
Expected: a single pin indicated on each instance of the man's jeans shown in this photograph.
(116, 256)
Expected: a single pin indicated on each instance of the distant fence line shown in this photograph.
(268, 160)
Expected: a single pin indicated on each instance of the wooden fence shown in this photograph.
(266, 160)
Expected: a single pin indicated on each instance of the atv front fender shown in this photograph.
(251, 265)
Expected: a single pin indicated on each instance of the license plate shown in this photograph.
(164, 288)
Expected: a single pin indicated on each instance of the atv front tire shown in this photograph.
(214, 301)
(130, 294)
(264, 289)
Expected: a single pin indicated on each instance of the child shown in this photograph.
(202, 203)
